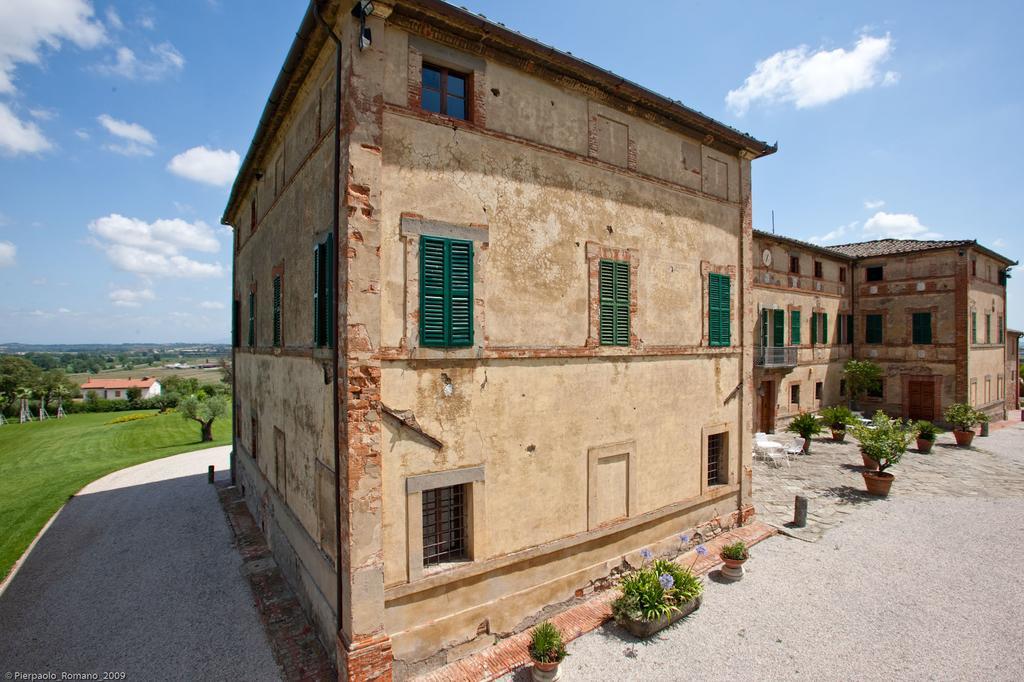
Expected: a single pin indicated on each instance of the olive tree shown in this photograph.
(862, 376)
(204, 411)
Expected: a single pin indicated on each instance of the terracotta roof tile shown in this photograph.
(145, 382)
(888, 247)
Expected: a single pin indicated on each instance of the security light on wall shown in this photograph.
(361, 10)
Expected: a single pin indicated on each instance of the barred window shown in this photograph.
(716, 454)
(444, 525)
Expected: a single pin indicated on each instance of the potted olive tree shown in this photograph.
(805, 425)
(963, 418)
(884, 442)
(926, 434)
(734, 556)
(656, 595)
(838, 417)
(546, 651)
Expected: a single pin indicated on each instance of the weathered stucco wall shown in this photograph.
(987, 379)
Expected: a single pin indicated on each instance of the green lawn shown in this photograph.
(42, 464)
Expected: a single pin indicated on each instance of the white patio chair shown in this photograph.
(795, 448)
(769, 451)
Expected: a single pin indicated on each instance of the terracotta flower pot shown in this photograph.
(963, 438)
(807, 446)
(733, 568)
(545, 672)
(924, 446)
(869, 464)
(645, 628)
(838, 435)
(878, 482)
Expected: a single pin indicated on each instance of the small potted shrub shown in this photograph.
(805, 425)
(656, 595)
(963, 418)
(734, 556)
(838, 417)
(885, 444)
(926, 434)
(546, 651)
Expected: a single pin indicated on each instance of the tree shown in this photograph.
(134, 393)
(862, 376)
(227, 372)
(16, 372)
(203, 411)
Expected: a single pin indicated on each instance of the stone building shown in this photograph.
(931, 313)
(505, 352)
(1012, 374)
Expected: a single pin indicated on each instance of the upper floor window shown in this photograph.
(818, 269)
(252, 319)
(613, 284)
(922, 328)
(253, 216)
(236, 313)
(842, 273)
(1001, 328)
(719, 310)
(794, 264)
(446, 292)
(444, 92)
(872, 329)
(277, 311)
(873, 273)
(323, 293)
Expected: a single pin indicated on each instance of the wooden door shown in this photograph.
(767, 407)
(921, 404)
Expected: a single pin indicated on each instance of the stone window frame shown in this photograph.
(819, 392)
(475, 69)
(819, 269)
(473, 478)
(594, 456)
(725, 468)
(879, 266)
(706, 268)
(934, 312)
(796, 385)
(791, 271)
(595, 253)
(411, 228)
(885, 326)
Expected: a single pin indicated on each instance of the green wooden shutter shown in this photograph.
(764, 328)
(317, 320)
(794, 327)
(459, 298)
(873, 331)
(252, 319)
(432, 291)
(613, 285)
(724, 306)
(277, 310)
(824, 328)
(327, 312)
(814, 328)
(922, 328)
(719, 325)
(974, 327)
(779, 328)
(849, 329)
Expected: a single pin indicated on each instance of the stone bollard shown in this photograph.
(209, 474)
(800, 512)
(984, 429)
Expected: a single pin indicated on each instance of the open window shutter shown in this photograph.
(714, 314)
(432, 291)
(794, 327)
(824, 327)
(327, 312)
(621, 303)
(974, 327)
(252, 318)
(849, 329)
(317, 320)
(606, 287)
(277, 310)
(814, 328)
(764, 328)
(724, 302)
(779, 328)
(460, 293)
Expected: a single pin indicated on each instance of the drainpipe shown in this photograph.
(336, 227)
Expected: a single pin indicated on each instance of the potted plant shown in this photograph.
(926, 434)
(862, 376)
(805, 425)
(963, 418)
(656, 595)
(546, 651)
(734, 556)
(884, 442)
(838, 417)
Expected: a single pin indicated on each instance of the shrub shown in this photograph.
(655, 591)
(130, 418)
(838, 416)
(862, 376)
(805, 425)
(926, 430)
(546, 644)
(885, 440)
(737, 551)
(963, 417)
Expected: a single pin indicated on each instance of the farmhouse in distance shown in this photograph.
(117, 389)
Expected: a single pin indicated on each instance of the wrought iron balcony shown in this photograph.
(775, 356)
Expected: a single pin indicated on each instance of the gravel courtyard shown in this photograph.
(923, 585)
(137, 575)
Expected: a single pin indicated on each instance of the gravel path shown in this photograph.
(137, 575)
(921, 588)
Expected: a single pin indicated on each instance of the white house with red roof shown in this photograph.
(117, 389)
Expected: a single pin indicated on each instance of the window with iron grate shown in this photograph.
(444, 525)
(716, 456)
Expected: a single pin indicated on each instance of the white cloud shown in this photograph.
(20, 137)
(131, 298)
(156, 249)
(42, 114)
(137, 140)
(82, 134)
(809, 79)
(8, 252)
(873, 205)
(884, 225)
(999, 243)
(165, 60)
(210, 166)
(212, 305)
(833, 236)
(114, 19)
(27, 26)
(63, 311)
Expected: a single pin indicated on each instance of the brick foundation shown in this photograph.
(364, 660)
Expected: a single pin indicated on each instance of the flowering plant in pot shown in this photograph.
(734, 556)
(838, 417)
(926, 434)
(656, 595)
(805, 425)
(963, 418)
(546, 651)
(884, 443)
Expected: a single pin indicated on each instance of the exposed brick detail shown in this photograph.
(511, 653)
(365, 660)
(592, 146)
(961, 322)
(631, 158)
(414, 85)
(292, 637)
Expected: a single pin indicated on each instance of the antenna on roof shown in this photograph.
(773, 221)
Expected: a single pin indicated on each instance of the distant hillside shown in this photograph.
(117, 348)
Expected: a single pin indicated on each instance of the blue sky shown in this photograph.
(121, 124)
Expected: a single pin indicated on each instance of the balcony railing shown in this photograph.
(775, 356)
